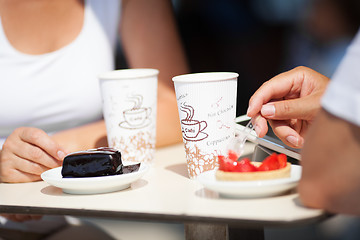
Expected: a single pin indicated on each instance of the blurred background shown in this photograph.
(261, 38)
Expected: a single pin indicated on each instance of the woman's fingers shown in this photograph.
(300, 108)
(289, 101)
(9, 173)
(37, 156)
(43, 141)
(284, 85)
(260, 125)
(27, 153)
(30, 166)
(288, 132)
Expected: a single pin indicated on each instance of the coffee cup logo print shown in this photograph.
(192, 129)
(138, 116)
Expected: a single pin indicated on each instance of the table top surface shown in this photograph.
(164, 193)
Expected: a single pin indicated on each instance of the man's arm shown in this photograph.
(331, 165)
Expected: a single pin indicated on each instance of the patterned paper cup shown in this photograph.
(207, 111)
(129, 108)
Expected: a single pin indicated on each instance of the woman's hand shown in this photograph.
(27, 153)
(289, 101)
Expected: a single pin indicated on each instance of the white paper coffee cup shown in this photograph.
(207, 111)
(129, 108)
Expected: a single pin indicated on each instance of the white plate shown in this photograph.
(93, 185)
(250, 189)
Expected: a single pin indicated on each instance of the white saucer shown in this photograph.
(199, 137)
(250, 189)
(93, 185)
(128, 126)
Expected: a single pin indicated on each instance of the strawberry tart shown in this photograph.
(233, 169)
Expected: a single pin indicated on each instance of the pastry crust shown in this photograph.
(254, 176)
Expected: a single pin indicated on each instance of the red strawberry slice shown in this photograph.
(232, 155)
(230, 163)
(270, 163)
(282, 159)
(225, 164)
(244, 165)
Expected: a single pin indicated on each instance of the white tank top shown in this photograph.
(60, 89)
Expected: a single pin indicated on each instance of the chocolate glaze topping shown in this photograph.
(92, 163)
